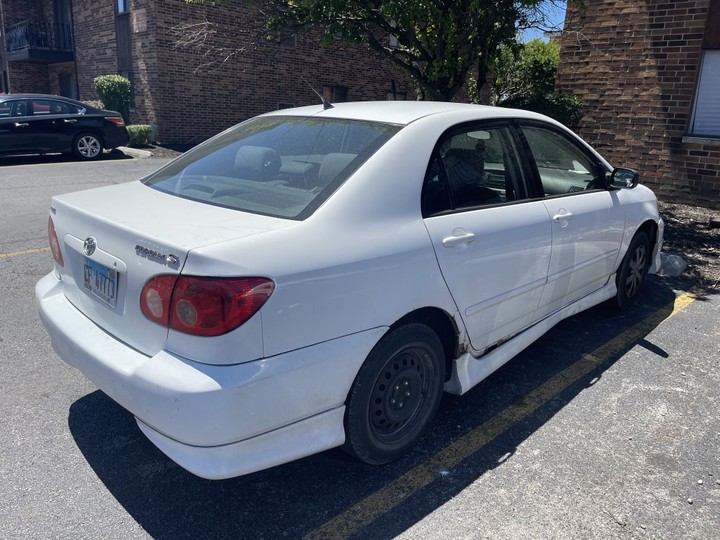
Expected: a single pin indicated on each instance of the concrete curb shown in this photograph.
(135, 152)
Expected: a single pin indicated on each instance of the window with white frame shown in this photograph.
(706, 114)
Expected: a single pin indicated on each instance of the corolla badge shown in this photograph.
(90, 245)
(143, 251)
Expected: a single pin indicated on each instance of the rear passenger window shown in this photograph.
(42, 107)
(473, 168)
(563, 166)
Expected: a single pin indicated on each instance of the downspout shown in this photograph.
(3, 52)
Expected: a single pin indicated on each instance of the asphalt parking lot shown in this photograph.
(607, 427)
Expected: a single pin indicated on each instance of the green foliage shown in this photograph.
(523, 69)
(114, 92)
(564, 108)
(524, 78)
(140, 134)
(437, 43)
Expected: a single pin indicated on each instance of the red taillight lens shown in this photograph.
(117, 120)
(203, 306)
(155, 298)
(54, 243)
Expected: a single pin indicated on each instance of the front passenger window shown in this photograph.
(563, 167)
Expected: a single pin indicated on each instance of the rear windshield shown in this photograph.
(277, 166)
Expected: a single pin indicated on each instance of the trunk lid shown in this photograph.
(114, 239)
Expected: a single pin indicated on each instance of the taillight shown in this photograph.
(203, 306)
(54, 243)
(117, 120)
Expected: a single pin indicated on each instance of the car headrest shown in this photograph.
(258, 162)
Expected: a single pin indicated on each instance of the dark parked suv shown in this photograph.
(40, 124)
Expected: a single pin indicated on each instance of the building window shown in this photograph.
(335, 94)
(706, 113)
(123, 6)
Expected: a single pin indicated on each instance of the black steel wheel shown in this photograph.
(87, 146)
(632, 270)
(395, 394)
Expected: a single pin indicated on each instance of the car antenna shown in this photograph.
(326, 104)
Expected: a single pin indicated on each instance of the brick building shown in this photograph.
(648, 72)
(60, 46)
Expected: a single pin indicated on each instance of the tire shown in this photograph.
(395, 394)
(87, 146)
(633, 268)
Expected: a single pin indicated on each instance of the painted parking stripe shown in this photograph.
(27, 252)
(382, 501)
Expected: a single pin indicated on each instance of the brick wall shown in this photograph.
(635, 66)
(190, 104)
(25, 77)
(95, 43)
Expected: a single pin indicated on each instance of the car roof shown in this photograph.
(5, 97)
(404, 112)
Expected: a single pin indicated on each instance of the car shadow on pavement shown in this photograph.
(35, 159)
(300, 498)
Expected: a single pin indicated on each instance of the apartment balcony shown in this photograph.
(39, 42)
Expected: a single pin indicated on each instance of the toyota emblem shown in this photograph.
(89, 245)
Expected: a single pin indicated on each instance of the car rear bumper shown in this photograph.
(215, 421)
(115, 136)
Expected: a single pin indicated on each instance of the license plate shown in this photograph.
(101, 281)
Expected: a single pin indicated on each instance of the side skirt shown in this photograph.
(469, 371)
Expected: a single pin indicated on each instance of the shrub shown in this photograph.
(114, 92)
(139, 134)
(564, 108)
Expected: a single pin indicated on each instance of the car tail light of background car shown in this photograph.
(117, 120)
(203, 306)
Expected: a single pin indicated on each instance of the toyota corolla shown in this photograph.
(318, 277)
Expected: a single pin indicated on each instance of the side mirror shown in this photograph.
(624, 178)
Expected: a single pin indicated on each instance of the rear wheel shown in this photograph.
(87, 146)
(632, 270)
(395, 394)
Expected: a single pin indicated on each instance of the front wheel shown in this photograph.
(87, 146)
(632, 270)
(395, 394)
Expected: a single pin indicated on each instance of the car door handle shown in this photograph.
(21, 124)
(562, 217)
(458, 238)
(69, 120)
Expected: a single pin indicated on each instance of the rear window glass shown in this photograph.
(278, 166)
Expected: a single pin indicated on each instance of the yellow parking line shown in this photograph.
(382, 501)
(27, 252)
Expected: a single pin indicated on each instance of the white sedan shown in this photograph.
(317, 277)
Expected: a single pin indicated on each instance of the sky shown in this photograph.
(555, 12)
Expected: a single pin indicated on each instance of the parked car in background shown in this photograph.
(42, 124)
(317, 277)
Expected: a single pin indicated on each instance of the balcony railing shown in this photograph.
(39, 41)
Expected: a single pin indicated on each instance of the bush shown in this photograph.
(140, 134)
(114, 92)
(564, 108)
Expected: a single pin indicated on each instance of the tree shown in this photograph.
(524, 77)
(522, 69)
(438, 43)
